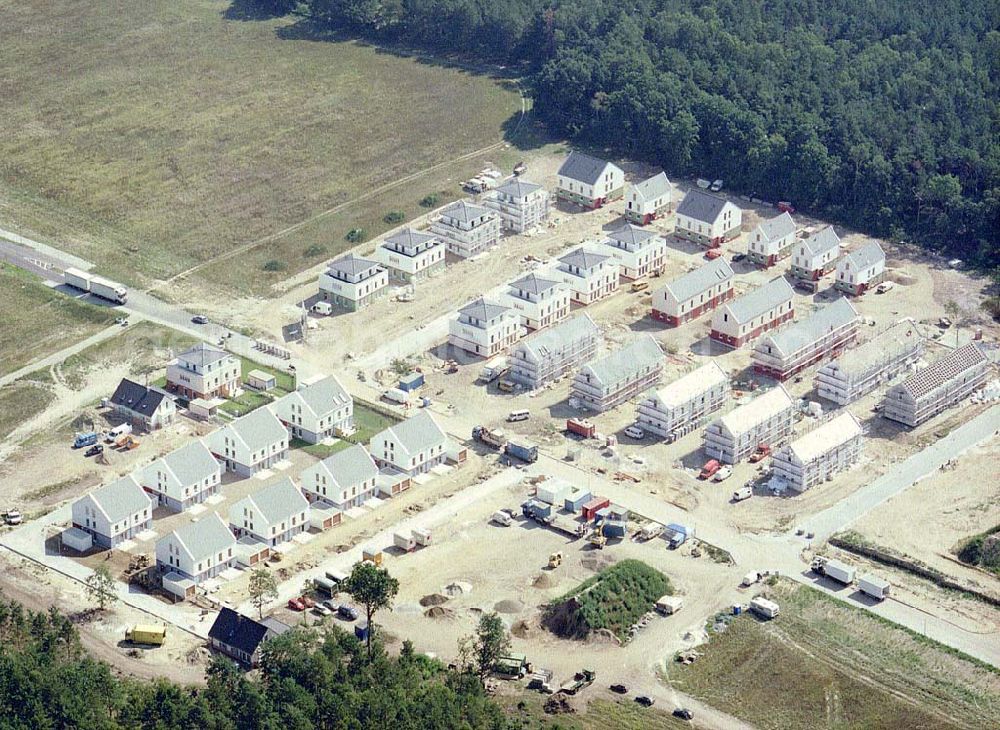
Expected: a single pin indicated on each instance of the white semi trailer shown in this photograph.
(96, 285)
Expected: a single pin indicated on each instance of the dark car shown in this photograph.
(683, 713)
(348, 613)
(619, 689)
(739, 257)
(94, 450)
(645, 701)
(200, 319)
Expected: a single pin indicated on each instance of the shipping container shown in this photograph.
(523, 451)
(146, 634)
(325, 585)
(404, 541)
(581, 428)
(872, 585)
(411, 382)
(422, 536)
(614, 528)
(764, 607)
(552, 491)
(574, 501)
(592, 507)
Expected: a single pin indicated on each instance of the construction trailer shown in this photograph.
(552, 491)
(576, 499)
(581, 427)
(411, 382)
(677, 534)
(764, 608)
(404, 541)
(146, 634)
(614, 529)
(595, 505)
(669, 605)
(522, 450)
(422, 535)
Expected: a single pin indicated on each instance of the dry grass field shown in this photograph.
(824, 664)
(153, 137)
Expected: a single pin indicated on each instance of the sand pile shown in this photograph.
(543, 581)
(433, 599)
(521, 629)
(439, 612)
(508, 605)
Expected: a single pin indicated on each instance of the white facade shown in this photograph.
(316, 411)
(346, 479)
(114, 513)
(545, 356)
(682, 406)
(649, 200)
(521, 205)
(766, 420)
(410, 255)
(638, 251)
(942, 384)
(862, 269)
(413, 446)
(707, 219)
(198, 550)
(272, 515)
(799, 345)
(204, 371)
(590, 275)
(818, 455)
(588, 181)
(619, 376)
(353, 283)
(485, 328)
(184, 477)
(467, 229)
(772, 240)
(815, 255)
(746, 317)
(251, 443)
(540, 301)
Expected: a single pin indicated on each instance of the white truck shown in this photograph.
(494, 369)
(872, 585)
(764, 607)
(96, 285)
(744, 492)
(750, 578)
(651, 530)
(422, 536)
(501, 518)
(404, 541)
(838, 571)
(397, 396)
(77, 279)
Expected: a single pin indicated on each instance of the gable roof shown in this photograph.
(756, 302)
(322, 397)
(278, 501)
(411, 238)
(821, 241)
(354, 465)
(701, 279)
(555, 338)
(534, 284)
(745, 417)
(701, 206)
(583, 259)
(417, 433)
(137, 398)
(203, 354)
(258, 429)
(633, 234)
(799, 335)
(351, 265)
(518, 188)
(690, 385)
(865, 256)
(483, 310)
(619, 365)
(653, 187)
(238, 631)
(885, 347)
(778, 227)
(944, 369)
(206, 537)
(464, 211)
(825, 437)
(121, 499)
(189, 464)
(583, 168)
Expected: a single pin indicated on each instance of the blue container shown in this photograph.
(613, 529)
(737, 610)
(411, 382)
(361, 630)
(523, 451)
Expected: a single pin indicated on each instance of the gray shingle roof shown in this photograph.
(352, 466)
(746, 417)
(944, 369)
(798, 335)
(583, 259)
(654, 187)
(258, 429)
(191, 463)
(410, 238)
(822, 241)
(518, 188)
(760, 300)
(885, 347)
(483, 310)
(323, 396)
(203, 354)
(622, 363)
(584, 168)
(630, 234)
(701, 279)
(208, 536)
(465, 211)
(278, 501)
(121, 499)
(418, 433)
(534, 284)
(866, 256)
(351, 265)
(138, 398)
(554, 339)
(701, 206)
(777, 227)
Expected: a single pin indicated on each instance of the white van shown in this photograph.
(522, 415)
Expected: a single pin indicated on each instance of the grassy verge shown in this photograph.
(822, 663)
(982, 550)
(38, 320)
(600, 714)
(320, 451)
(19, 401)
(283, 382)
(368, 422)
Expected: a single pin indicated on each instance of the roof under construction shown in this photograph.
(884, 348)
(941, 371)
(749, 416)
(826, 437)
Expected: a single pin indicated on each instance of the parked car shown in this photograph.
(634, 432)
(199, 319)
(332, 606)
(348, 613)
(683, 713)
(321, 610)
(12, 517)
(94, 450)
(716, 186)
(645, 701)
(307, 601)
(296, 605)
(723, 473)
(713, 253)
(738, 257)
(620, 689)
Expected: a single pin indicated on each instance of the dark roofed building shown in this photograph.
(144, 407)
(241, 637)
(588, 181)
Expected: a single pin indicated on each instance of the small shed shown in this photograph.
(249, 552)
(77, 539)
(553, 491)
(204, 409)
(179, 587)
(260, 380)
(591, 508)
(576, 499)
(411, 382)
(619, 513)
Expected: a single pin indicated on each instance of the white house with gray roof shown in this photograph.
(196, 551)
(114, 513)
(766, 420)
(812, 459)
(619, 376)
(588, 181)
(649, 200)
(590, 274)
(796, 346)
(521, 205)
(352, 283)
(683, 405)
(485, 328)
(316, 411)
(694, 293)
(251, 443)
(935, 388)
(272, 515)
(638, 251)
(467, 229)
(547, 355)
(412, 446)
(707, 219)
(410, 255)
(815, 255)
(345, 479)
(743, 319)
(541, 301)
(186, 476)
(861, 269)
(865, 367)
(772, 240)
(204, 371)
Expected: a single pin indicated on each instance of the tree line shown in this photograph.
(878, 115)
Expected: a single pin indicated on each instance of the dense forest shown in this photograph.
(307, 680)
(879, 114)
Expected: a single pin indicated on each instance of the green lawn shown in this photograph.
(149, 137)
(368, 422)
(283, 382)
(320, 451)
(38, 321)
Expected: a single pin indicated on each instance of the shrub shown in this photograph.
(314, 250)
(429, 201)
(394, 216)
(275, 265)
(355, 235)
